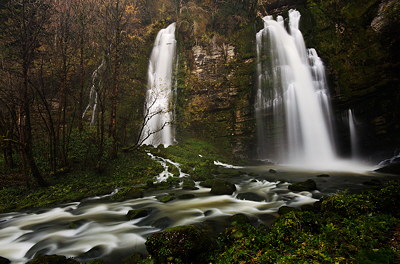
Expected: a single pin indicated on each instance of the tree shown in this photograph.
(25, 25)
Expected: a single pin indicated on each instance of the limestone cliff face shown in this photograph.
(357, 40)
(216, 73)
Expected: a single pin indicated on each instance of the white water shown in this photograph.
(158, 109)
(165, 163)
(102, 227)
(94, 93)
(292, 105)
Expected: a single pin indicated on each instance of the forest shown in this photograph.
(144, 131)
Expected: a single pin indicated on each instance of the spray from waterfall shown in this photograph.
(293, 112)
(158, 110)
(355, 151)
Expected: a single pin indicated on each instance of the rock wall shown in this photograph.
(216, 74)
(358, 41)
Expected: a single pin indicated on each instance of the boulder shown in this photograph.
(222, 187)
(182, 244)
(186, 196)
(166, 198)
(308, 185)
(189, 185)
(207, 183)
(239, 219)
(138, 213)
(286, 209)
(249, 196)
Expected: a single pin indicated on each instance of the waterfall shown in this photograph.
(293, 112)
(353, 135)
(158, 110)
(94, 92)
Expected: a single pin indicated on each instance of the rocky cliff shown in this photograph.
(357, 40)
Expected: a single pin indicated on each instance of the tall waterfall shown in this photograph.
(158, 110)
(292, 104)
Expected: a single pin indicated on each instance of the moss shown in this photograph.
(182, 244)
(348, 228)
(138, 213)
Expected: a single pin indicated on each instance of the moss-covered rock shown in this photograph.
(207, 183)
(138, 213)
(183, 244)
(222, 187)
(287, 209)
(188, 185)
(52, 259)
(250, 197)
(186, 196)
(308, 185)
(128, 193)
(166, 198)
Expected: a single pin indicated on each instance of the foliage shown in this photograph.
(182, 244)
(129, 170)
(350, 228)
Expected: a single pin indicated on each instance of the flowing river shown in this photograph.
(97, 228)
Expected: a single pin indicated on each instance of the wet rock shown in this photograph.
(286, 209)
(163, 222)
(308, 185)
(239, 219)
(76, 224)
(189, 185)
(323, 176)
(182, 244)
(138, 213)
(52, 259)
(95, 252)
(186, 196)
(392, 168)
(4, 261)
(166, 198)
(249, 196)
(272, 171)
(207, 183)
(222, 187)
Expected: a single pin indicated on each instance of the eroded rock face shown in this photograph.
(216, 81)
(384, 15)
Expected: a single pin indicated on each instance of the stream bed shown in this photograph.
(97, 228)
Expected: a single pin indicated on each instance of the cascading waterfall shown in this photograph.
(158, 128)
(94, 92)
(353, 135)
(292, 104)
